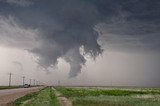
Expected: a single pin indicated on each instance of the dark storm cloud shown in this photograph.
(132, 25)
(68, 25)
(18, 2)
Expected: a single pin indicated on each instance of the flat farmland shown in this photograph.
(91, 96)
(101, 96)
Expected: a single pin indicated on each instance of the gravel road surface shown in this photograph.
(9, 95)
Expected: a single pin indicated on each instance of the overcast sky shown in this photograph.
(81, 42)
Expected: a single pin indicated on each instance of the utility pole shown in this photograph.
(30, 80)
(10, 79)
(23, 80)
(59, 82)
(34, 82)
(37, 83)
(111, 83)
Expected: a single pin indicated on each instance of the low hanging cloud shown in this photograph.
(53, 29)
(12, 34)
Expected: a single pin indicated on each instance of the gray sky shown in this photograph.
(81, 42)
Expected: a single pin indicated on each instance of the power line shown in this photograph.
(35, 83)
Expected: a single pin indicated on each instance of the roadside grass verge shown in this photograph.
(111, 97)
(27, 97)
(45, 97)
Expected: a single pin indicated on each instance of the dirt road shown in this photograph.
(10, 95)
(63, 100)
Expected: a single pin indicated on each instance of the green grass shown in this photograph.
(112, 97)
(72, 92)
(114, 101)
(45, 97)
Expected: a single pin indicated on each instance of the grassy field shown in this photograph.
(45, 97)
(7, 87)
(111, 97)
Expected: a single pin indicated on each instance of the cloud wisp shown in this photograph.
(18, 65)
